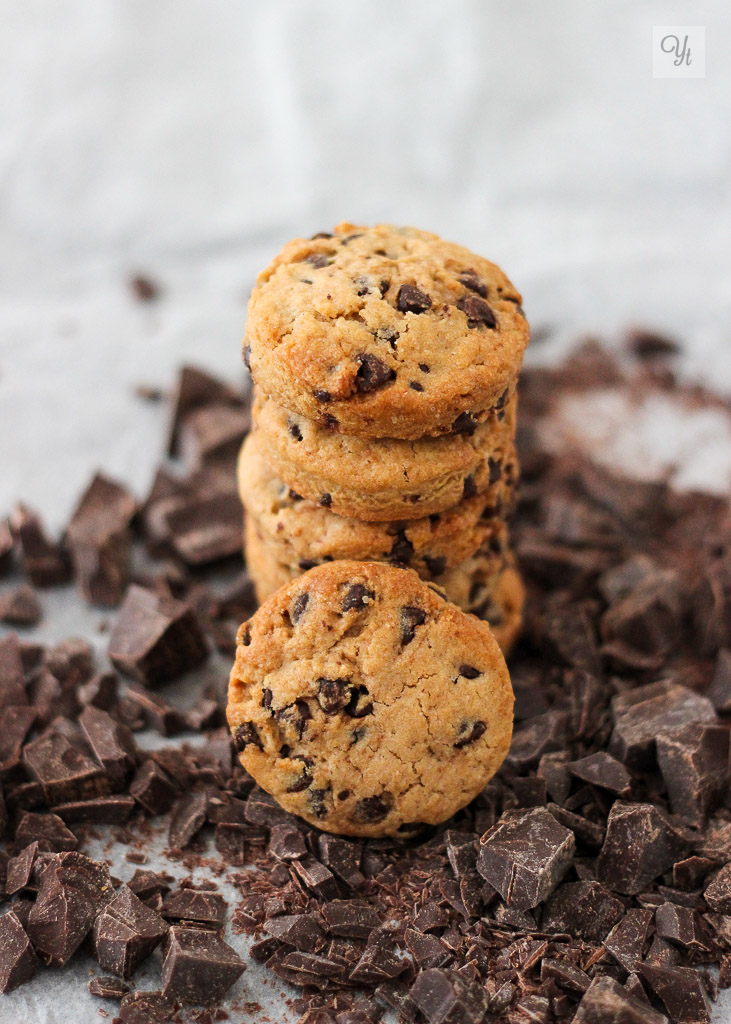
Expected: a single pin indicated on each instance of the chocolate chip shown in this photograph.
(372, 809)
(357, 596)
(299, 606)
(464, 424)
(293, 430)
(415, 385)
(477, 311)
(325, 500)
(469, 488)
(297, 715)
(318, 260)
(246, 735)
(470, 280)
(321, 234)
(469, 671)
(411, 299)
(333, 694)
(372, 373)
(247, 357)
(435, 564)
(470, 732)
(410, 618)
(359, 706)
(266, 697)
(321, 395)
(402, 549)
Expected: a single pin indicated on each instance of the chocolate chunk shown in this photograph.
(681, 990)
(107, 988)
(295, 715)
(73, 890)
(187, 819)
(372, 373)
(470, 280)
(443, 995)
(357, 596)
(145, 1008)
(469, 732)
(694, 762)
(315, 877)
(64, 772)
(12, 683)
(196, 389)
(465, 424)
(46, 563)
(108, 810)
(402, 549)
(229, 838)
(342, 858)
(100, 691)
(525, 855)
(606, 1002)
(426, 950)
(245, 735)
(354, 920)
(410, 618)
(20, 606)
(718, 892)
(649, 344)
(208, 908)
(125, 933)
(156, 713)
(206, 529)
(212, 435)
(155, 639)
(584, 909)
(647, 620)
(153, 788)
(111, 743)
(377, 963)
(48, 828)
(98, 536)
(540, 735)
(640, 844)
(601, 769)
(18, 961)
(286, 842)
(565, 975)
(719, 692)
(298, 930)
(626, 941)
(299, 607)
(477, 311)
(372, 808)
(411, 299)
(651, 711)
(682, 926)
(199, 967)
(333, 694)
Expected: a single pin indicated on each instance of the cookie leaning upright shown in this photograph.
(385, 332)
(366, 703)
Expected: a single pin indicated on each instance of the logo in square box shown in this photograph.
(679, 51)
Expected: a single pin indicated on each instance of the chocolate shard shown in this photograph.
(20, 606)
(681, 990)
(648, 618)
(125, 933)
(682, 926)
(155, 639)
(626, 941)
(45, 562)
(146, 1008)
(73, 890)
(694, 762)
(444, 996)
(316, 877)
(188, 819)
(101, 810)
(641, 843)
(719, 692)
(99, 540)
(208, 908)
(199, 967)
(287, 842)
(49, 828)
(213, 434)
(377, 963)
(648, 712)
(18, 961)
(111, 743)
(539, 735)
(601, 769)
(153, 788)
(12, 683)
(525, 855)
(342, 858)
(427, 950)
(584, 909)
(350, 919)
(606, 1002)
(565, 974)
(718, 893)
(299, 930)
(107, 988)
(206, 528)
(158, 715)
(62, 769)
(196, 389)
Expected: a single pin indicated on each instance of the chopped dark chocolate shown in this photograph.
(207, 908)
(681, 990)
(45, 562)
(98, 537)
(155, 638)
(63, 770)
(641, 842)
(47, 828)
(111, 743)
(187, 819)
(601, 769)
(199, 967)
(718, 892)
(584, 909)
(626, 941)
(196, 389)
(125, 933)
(18, 961)
(444, 996)
(525, 855)
(107, 988)
(20, 606)
(606, 1002)
(153, 788)
(206, 528)
(694, 762)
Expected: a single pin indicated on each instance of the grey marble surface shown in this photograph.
(190, 140)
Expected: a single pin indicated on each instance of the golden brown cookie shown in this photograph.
(366, 703)
(385, 332)
(490, 588)
(380, 479)
(303, 533)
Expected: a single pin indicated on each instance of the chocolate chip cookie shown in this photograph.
(487, 585)
(303, 533)
(366, 703)
(378, 479)
(385, 332)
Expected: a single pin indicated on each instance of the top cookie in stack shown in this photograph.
(386, 362)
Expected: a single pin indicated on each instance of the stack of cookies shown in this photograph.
(385, 362)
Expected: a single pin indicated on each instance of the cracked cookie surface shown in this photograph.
(303, 533)
(385, 332)
(366, 703)
(380, 479)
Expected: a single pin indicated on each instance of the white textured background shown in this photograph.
(189, 139)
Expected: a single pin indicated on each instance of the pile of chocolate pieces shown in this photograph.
(589, 882)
